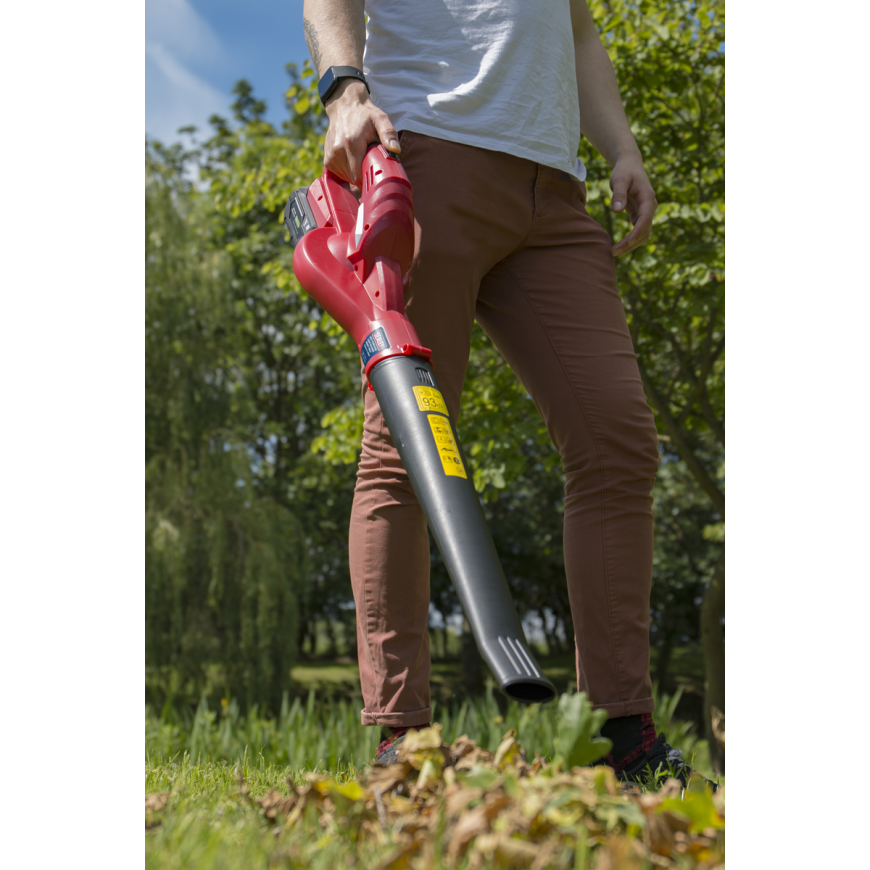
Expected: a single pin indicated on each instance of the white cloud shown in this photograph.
(177, 38)
(180, 29)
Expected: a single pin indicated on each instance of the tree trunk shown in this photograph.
(550, 636)
(570, 640)
(311, 632)
(663, 661)
(332, 652)
(350, 639)
(713, 640)
(472, 664)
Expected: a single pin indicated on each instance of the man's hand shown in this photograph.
(603, 123)
(354, 123)
(631, 189)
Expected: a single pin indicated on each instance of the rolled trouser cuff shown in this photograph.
(616, 709)
(415, 718)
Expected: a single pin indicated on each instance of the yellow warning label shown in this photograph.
(447, 449)
(429, 399)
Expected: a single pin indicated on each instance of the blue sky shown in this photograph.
(195, 50)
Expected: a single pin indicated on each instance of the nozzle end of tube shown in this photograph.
(530, 691)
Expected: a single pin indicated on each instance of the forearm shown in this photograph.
(335, 31)
(602, 117)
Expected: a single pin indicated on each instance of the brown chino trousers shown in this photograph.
(509, 242)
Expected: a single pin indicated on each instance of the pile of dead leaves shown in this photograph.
(461, 804)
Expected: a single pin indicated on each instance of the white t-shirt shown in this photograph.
(497, 74)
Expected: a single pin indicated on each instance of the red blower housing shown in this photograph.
(355, 263)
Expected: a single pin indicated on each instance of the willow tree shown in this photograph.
(225, 563)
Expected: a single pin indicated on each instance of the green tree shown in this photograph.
(298, 362)
(225, 564)
(670, 62)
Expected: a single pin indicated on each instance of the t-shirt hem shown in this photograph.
(488, 144)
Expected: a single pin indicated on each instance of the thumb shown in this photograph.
(387, 134)
(620, 196)
(619, 186)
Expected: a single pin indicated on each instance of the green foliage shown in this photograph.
(246, 527)
(683, 560)
(670, 65)
(578, 724)
(225, 563)
(697, 806)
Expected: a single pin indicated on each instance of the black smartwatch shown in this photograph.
(330, 79)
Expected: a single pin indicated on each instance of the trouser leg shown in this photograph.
(553, 310)
(389, 547)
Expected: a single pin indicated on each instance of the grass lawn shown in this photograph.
(225, 790)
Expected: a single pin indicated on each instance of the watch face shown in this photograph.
(326, 84)
(334, 75)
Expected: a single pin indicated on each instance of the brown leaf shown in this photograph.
(672, 788)
(619, 853)
(385, 779)
(275, 804)
(718, 722)
(458, 797)
(460, 747)
(548, 853)
(508, 750)
(473, 757)
(675, 821)
(495, 802)
(400, 859)
(658, 836)
(506, 850)
(469, 826)
(155, 802)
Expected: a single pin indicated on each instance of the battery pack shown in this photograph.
(298, 216)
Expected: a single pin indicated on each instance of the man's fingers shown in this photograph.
(387, 134)
(639, 234)
(636, 238)
(641, 207)
(354, 166)
(356, 152)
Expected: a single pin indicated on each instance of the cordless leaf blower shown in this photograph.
(352, 257)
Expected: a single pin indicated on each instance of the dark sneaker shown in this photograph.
(662, 761)
(388, 751)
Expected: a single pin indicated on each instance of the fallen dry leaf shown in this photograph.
(718, 722)
(275, 805)
(475, 808)
(153, 804)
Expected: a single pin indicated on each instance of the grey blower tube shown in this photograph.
(453, 510)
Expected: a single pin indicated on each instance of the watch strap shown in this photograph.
(330, 79)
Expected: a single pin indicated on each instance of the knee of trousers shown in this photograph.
(624, 453)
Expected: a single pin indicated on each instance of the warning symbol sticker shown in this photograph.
(429, 399)
(446, 444)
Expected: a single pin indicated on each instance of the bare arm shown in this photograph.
(603, 123)
(336, 35)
